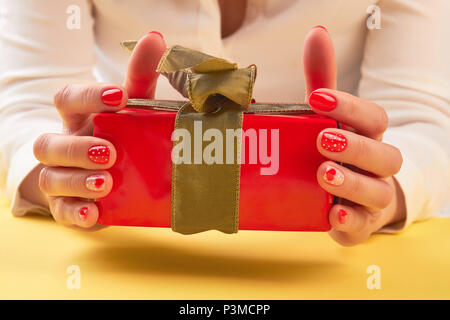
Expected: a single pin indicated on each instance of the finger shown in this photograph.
(75, 102)
(72, 182)
(352, 225)
(74, 151)
(367, 154)
(342, 182)
(141, 74)
(73, 211)
(366, 117)
(353, 219)
(319, 63)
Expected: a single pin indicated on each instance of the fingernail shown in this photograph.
(99, 154)
(83, 213)
(342, 216)
(322, 101)
(95, 182)
(112, 97)
(158, 33)
(334, 142)
(333, 176)
(322, 27)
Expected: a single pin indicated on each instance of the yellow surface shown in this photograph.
(123, 262)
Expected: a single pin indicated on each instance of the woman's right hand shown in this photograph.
(75, 162)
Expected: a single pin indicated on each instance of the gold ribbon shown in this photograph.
(206, 196)
(199, 77)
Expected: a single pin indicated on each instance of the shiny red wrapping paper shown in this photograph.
(290, 200)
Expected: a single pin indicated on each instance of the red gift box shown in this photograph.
(290, 200)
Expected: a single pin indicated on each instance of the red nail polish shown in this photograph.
(330, 174)
(158, 33)
(342, 216)
(334, 142)
(83, 213)
(333, 176)
(95, 182)
(99, 182)
(322, 101)
(99, 154)
(322, 27)
(112, 97)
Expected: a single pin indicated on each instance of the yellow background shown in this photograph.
(150, 263)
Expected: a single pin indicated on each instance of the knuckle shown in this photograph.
(374, 216)
(40, 146)
(72, 183)
(89, 95)
(354, 187)
(392, 163)
(381, 122)
(363, 221)
(362, 150)
(352, 108)
(385, 196)
(71, 150)
(61, 97)
(398, 162)
(44, 179)
(57, 210)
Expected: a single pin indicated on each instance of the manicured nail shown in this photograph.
(95, 182)
(112, 97)
(322, 101)
(322, 27)
(99, 154)
(158, 33)
(83, 213)
(334, 142)
(342, 216)
(333, 176)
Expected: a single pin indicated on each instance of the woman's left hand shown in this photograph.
(370, 196)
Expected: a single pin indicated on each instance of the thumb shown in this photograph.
(319, 63)
(141, 74)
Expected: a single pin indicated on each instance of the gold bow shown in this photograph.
(198, 77)
(206, 196)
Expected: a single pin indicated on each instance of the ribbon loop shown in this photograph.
(199, 76)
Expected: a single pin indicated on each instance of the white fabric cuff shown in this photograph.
(22, 163)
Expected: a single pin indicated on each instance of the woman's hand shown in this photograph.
(371, 198)
(365, 179)
(75, 162)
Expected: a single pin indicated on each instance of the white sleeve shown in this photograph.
(406, 70)
(41, 50)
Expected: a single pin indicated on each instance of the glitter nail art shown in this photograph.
(99, 154)
(342, 216)
(83, 213)
(334, 142)
(95, 182)
(333, 176)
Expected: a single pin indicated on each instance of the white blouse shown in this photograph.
(400, 61)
